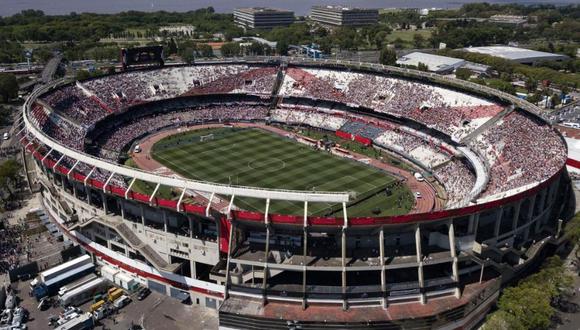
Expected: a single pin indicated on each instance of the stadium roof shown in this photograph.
(435, 63)
(520, 55)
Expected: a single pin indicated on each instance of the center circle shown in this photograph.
(271, 165)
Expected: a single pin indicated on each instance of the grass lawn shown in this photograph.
(253, 157)
(407, 35)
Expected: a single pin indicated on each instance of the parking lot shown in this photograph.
(157, 311)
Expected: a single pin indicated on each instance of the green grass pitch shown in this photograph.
(254, 157)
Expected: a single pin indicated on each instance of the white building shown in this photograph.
(435, 63)
(515, 54)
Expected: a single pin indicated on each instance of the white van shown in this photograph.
(419, 177)
(572, 125)
(122, 301)
(137, 149)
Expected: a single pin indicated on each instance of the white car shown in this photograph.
(5, 136)
(419, 177)
(418, 195)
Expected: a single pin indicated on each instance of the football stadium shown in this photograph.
(303, 194)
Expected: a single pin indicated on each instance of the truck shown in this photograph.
(49, 282)
(82, 322)
(97, 305)
(64, 268)
(120, 279)
(83, 293)
(76, 284)
(115, 294)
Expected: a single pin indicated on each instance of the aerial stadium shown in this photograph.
(291, 193)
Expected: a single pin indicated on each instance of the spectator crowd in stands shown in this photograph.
(516, 155)
(510, 146)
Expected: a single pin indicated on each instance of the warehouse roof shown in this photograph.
(435, 63)
(520, 55)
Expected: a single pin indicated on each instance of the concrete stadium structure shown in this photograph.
(438, 269)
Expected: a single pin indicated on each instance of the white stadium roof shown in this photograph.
(520, 55)
(435, 63)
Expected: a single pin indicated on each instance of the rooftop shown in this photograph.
(340, 8)
(254, 10)
(434, 62)
(516, 54)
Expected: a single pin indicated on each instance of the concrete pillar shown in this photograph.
(383, 268)
(454, 266)
(190, 221)
(164, 220)
(473, 224)
(88, 193)
(142, 214)
(304, 265)
(497, 224)
(420, 263)
(267, 251)
(541, 205)
(105, 208)
(530, 217)
(193, 269)
(121, 205)
(107, 234)
(343, 248)
(517, 208)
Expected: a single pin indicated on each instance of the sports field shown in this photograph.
(254, 157)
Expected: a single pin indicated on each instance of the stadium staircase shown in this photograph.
(442, 164)
(487, 124)
(133, 240)
(55, 193)
(276, 97)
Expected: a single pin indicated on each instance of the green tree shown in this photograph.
(205, 50)
(388, 56)
(282, 47)
(422, 66)
(9, 177)
(82, 75)
(256, 48)
(188, 55)
(531, 85)
(502, 85)
(171, 47)
(326, 46)
(463, 73)
(8, 87)
(529, 305)
(380, 38)
(230, 49)
(399, 43)
(418, 40)
(4, 116)
(501, 320)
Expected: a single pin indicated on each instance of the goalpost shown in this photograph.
(204, 138)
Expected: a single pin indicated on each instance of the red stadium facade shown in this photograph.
(503, 193)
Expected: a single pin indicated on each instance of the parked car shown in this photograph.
(143, 293)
